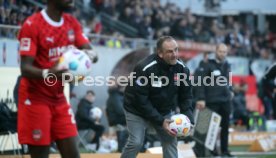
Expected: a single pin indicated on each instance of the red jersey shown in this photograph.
(46, 40)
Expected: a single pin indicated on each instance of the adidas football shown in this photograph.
(76, 61)
(181, 125)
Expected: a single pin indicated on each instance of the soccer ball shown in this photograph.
(113, 145)
(76, 61)
(96, 113)
(109, 145)
(181, 125)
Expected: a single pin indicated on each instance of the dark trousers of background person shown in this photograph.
(268, 105)
(98, 129)
(224, 110)
(243, 116)
(274, 107)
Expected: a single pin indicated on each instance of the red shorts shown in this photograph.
(40, 123)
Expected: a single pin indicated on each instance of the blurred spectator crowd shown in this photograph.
(153, 20)
(13, 12)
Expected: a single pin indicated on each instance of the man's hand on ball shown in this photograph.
(93, 55)
(166, 126)
(57, 71)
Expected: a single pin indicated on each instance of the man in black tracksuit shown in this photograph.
(216, 97)
(153, 102)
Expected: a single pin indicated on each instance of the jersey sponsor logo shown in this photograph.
(25, 44)
(56, 52)
(37, 134)
(50, 39)
(71, 35)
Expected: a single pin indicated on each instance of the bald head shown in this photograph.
(221, 52)
(221, 46)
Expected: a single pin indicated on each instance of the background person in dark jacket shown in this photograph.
(115, 107)
(115, 114)
(216, 97)
(239, 104)
(152, 103)
(85, 121)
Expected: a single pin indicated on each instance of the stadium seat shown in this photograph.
(5, 137)
(83, 136)
(8, 134)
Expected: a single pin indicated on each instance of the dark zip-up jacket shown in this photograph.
(270, 72)
(213, 93)
(153, 101)
(82, 116)
(114, 108)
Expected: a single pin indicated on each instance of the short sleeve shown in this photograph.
(81, 39)
(28, 36)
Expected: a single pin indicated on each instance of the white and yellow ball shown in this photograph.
(181, 125)
(76, 61)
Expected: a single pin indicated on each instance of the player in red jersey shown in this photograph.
(44, 115)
